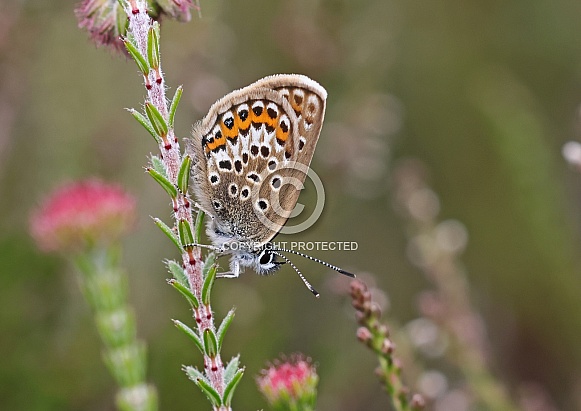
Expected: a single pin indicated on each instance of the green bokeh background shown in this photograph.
(484, 93)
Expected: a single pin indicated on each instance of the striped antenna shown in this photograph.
(309, 286)
(331, 266)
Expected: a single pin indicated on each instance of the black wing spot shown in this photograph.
(254, 150)
(233, 188)
(271, 165)
(229, 122)
(243, 114)
(284, 126)
(301, 144)
(214, 179)
(262, 205)
(264, 151)
(272, 113)
(225, 165)
(257, 111)
(244, 193)
(254, 177)
(238, 166)
(276, 182)
(245, 158)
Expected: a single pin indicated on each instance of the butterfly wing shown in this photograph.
(251, 153)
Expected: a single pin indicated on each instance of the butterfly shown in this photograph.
(251, 154)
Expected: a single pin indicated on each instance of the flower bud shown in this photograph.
(290, 384)
(82, 214)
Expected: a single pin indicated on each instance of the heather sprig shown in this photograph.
(193, 277)
(375, 335)
(435, 248)
(84, 222)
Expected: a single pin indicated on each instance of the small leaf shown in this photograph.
(174, 105)
(136, 55)
(184, 174)
(141, 119)
(169, 232)
(193, 373)
(199, 226)
(178, 273)
(210, 344)
(210, 392)
(208, 264)
(190, 333)
(185, 292)
(229, 390)
(163, 182)
(185, 231)
(158, 165)
(224, 327)
(207, 286)
(157, 121)
(153, 48)
(231, 369)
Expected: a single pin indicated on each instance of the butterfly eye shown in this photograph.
(265, 257)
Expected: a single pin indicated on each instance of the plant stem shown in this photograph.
(104, 285)
(139, 28)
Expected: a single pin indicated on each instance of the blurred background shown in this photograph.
(481, 95)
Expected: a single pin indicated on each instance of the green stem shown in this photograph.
(104, 285)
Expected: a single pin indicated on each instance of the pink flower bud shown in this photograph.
(105, 21)
(289, 382)
(82, 214)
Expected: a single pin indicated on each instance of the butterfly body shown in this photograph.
(251, 154)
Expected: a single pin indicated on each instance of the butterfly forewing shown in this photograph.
(251, 152)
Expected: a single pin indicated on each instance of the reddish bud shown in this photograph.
(291, 383)
(82, 214)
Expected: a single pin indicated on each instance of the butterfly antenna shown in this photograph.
(309, 286)
(326, 264)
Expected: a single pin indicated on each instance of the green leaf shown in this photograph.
(158, 165)
(185, 231)
(194, 374)
(190, 333)
(141, 119)
(163, 182)
(174, 105)
(199, 226)
(210, 344)
(210, 392)
(178, 273)
(169, 233)
(153, 48)
(136, 56)
(224, 327)
(208, 264)
(157, 121)
(229, 390)
(185, 292)
(208, 283)
(231, 369)
(184, 174)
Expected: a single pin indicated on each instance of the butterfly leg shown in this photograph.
(234, 273)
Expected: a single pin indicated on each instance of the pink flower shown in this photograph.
(82, 214)
(104, 20)
(292, 383)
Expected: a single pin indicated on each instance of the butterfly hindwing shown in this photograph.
(245, 150)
